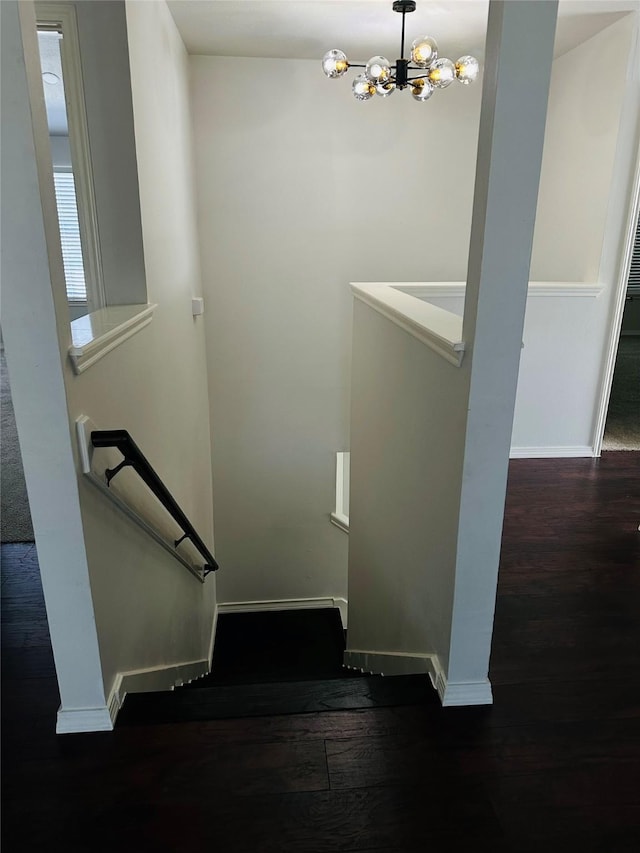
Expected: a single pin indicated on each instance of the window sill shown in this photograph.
(96, 334)
(438, 329)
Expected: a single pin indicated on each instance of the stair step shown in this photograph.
(277, 646)
(276, 698)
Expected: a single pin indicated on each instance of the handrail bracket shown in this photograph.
(110, 473)
(134, 458)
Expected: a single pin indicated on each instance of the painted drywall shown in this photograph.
(577, 167)
(559, 371)
(300, 191)
(148, 610)
(289, 196)
(406, 467)
(554, 403)
(563, 363)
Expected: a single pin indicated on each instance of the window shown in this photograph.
(98, 208)
(70, 236)
(72, 174)
(633, 285)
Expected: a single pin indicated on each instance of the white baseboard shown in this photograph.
(551, 452)
(212, 640)
(286, 604)
(159, 678)
(114, 702)
(74, 720)
(460, 693)
(390, 663)
(341, 521)
(399, 663)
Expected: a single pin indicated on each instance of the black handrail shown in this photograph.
(134, 458)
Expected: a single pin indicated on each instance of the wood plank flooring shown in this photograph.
(553, 765)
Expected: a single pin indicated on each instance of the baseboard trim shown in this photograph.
(390, 663)
(341, 521)
(286, 604)
(114, 702)
(76, 720)
(551, 452)
(451, 694)
(161, 678)
(212, 640)
(460, 693)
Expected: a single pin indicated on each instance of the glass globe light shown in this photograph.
(424, 51)
(385, 89)
(378, 69)
(442, 73)
(334, 63)
(362, 88)
(467, 69)
(422, 89)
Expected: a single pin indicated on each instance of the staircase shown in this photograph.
(272, 663)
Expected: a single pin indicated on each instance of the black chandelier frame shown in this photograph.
(402, 66)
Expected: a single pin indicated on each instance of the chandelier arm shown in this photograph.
(380, 75)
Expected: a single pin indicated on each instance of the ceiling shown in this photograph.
(306, 29)
(49, 48)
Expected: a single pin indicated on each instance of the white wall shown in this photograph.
(559, 365)
(563, 361)
(300, 190)
(580, 145)
(559, 374)
(148, 610)
(406, 467)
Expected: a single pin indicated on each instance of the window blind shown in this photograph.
(633, 285)
(70, 236)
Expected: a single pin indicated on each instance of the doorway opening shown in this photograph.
(622, 428)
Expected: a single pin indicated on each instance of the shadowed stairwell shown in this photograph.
(286, 662)
(553, 765)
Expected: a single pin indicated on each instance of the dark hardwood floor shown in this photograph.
(553, 765)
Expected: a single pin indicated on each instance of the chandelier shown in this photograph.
(382, 78)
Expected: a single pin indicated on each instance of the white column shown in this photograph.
(519, 53)
(30, 333)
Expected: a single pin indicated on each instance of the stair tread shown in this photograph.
(276, 663)
(277, 646)
(277, 698)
